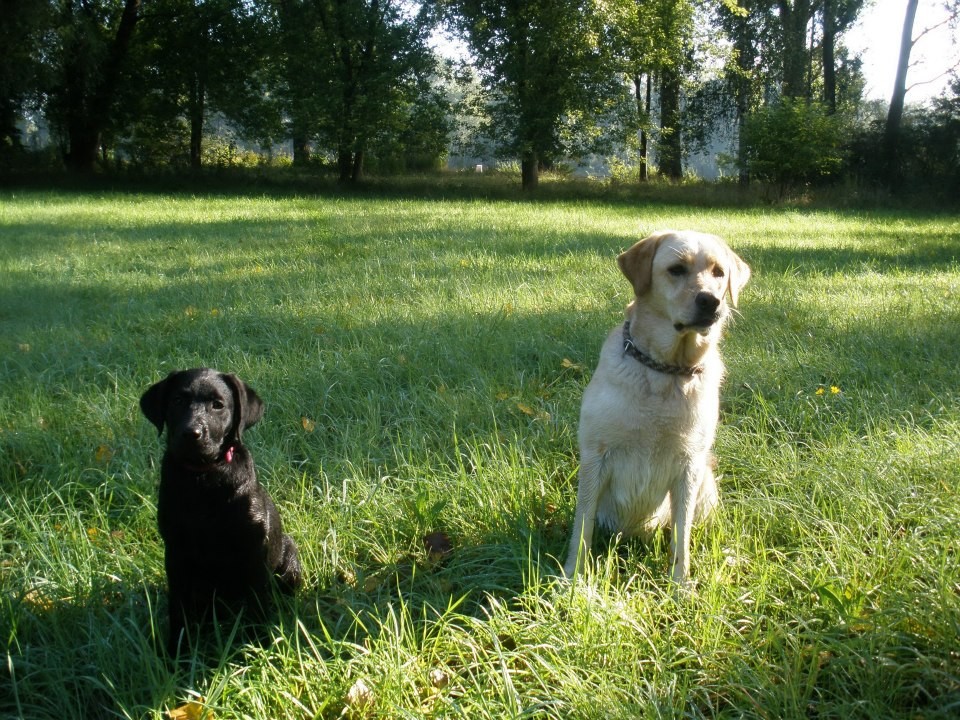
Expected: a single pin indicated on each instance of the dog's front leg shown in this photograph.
(588, 495)
(683, 497)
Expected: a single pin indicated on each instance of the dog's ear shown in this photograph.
(247, 405)
(153, 403)
(738, 275)
(637, 262)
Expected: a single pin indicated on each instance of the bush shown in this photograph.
(928, 164)
(793, 143)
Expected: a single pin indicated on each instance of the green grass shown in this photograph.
(422, 362)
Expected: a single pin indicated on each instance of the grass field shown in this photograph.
(422, 363)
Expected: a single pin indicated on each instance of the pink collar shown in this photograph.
(227, 458)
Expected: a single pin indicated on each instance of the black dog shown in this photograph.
(222, 535)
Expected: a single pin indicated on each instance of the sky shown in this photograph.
(877, 37)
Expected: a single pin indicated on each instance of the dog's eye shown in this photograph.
(217, 405)
(677, 270)
(718, 271)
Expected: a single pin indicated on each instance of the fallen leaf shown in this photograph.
(526, 409)
(24, 347)
(190, 710)
(37, 601)
(347, 577)
(308, 424)
(360, 696)
(104, 454)
(438, 545)
(371, 583)
(569, 364)
(439, 679)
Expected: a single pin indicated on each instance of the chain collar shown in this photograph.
(630, 348)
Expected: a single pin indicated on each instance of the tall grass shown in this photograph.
(422, 362)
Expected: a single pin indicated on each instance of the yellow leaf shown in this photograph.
(37, 601)
(24, 347)
(503, 395)
(526, 409)
(571, 365)
(190, 710)
(104, 454)
(308, 424)
(214, 312)
(190, 311)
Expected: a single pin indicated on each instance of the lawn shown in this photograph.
(422, 363)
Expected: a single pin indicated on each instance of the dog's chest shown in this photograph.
(208, 522)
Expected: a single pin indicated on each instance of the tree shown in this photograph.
(24, 22)
(88, 63)
(540, 64)
(895, 113)
(794, 17)
(793, 142)
(652, 38)
(837, 16)
(186, 53)
(750, 71)
(350, 70)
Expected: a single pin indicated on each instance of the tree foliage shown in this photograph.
(356, 77)
(541, 63)
(793, 143)
(354, 84)
(86, 50)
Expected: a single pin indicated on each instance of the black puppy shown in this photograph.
(222, 535)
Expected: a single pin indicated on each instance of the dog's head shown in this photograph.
(684, 277)
(205, 412)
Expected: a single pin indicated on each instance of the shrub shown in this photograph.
(793, 143)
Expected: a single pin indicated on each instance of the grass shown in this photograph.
(422, 363)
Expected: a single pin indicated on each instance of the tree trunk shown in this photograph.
(746, 56)
(793, 24)
(196, 122)
(829, 61)
(743, 178)
(301, 151)
(344, 163)
(643, 111)
(87, 115)
(670, 149)
(84, 141)
(356, 172)
(529, 171)
(891, 134)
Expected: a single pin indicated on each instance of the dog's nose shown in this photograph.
(192, 432)
(707, 302)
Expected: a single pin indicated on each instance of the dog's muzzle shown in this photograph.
(708, 312)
